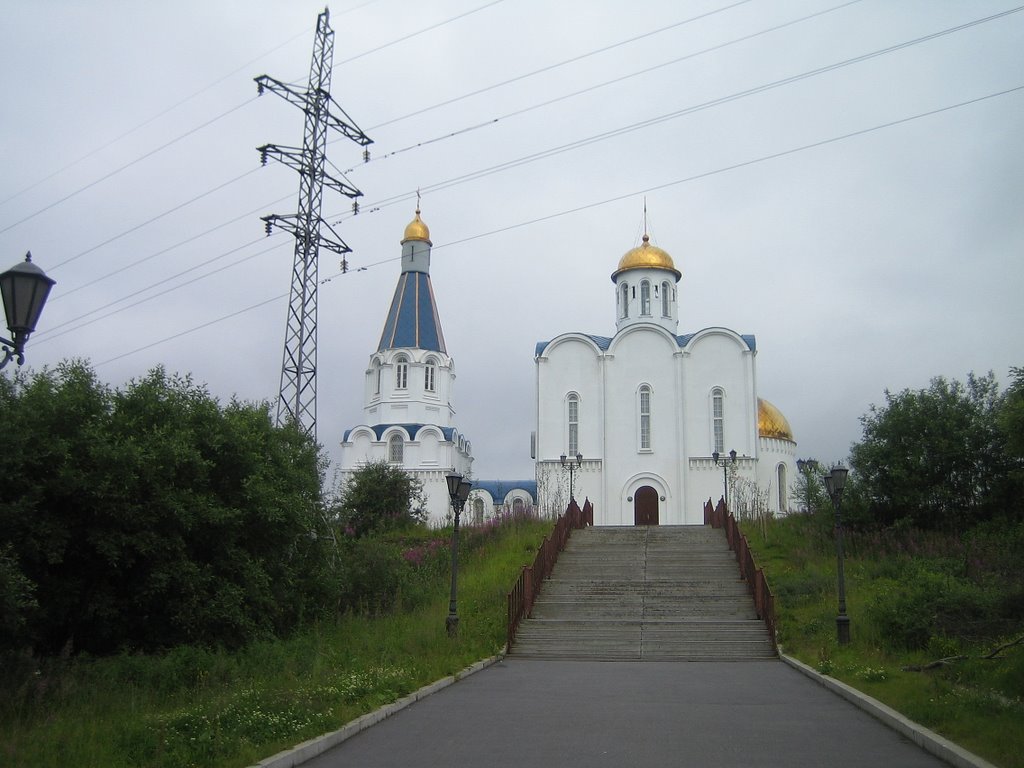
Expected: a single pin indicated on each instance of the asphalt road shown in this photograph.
(590, 714)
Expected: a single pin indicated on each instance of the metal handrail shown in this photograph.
(764, 601)
(531, 577)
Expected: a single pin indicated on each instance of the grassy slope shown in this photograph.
(213, 708)
(975, 703)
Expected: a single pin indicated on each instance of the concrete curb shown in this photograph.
(307, 750)
(928, 740)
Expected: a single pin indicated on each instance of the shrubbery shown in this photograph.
(151, 516)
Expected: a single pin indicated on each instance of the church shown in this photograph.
(650, 417)
(409, 386)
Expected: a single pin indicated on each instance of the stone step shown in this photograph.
(658, 593)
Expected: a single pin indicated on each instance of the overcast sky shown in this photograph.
(864, 220)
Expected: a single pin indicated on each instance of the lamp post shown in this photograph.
(807, 468)
(724, 463)
(24, 288)
(458, 492)
(568, 464)
(835, 481)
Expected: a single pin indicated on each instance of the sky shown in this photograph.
(845, 180)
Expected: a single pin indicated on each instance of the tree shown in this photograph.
(935, 458)
(380, 497)
(152, 516)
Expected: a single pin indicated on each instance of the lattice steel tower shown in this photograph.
(297, 399)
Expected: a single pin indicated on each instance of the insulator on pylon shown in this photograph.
(366, 155)
(263, 155)
(355, 207)
(344, 266)
(267, 225)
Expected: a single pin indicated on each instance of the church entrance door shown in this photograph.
(645, 506)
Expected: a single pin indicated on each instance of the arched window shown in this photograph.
(718, 419)
(666, 310)
(396, 449)
(430, 375)
(572, 403)
(401, 372)
(376, 377)
(645, 418)
(478, 510)
(645, 298)
(782, 489)
(625, 300)
(518, 507)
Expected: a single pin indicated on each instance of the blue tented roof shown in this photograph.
(413, 321)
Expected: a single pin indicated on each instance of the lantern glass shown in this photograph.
(454, 480)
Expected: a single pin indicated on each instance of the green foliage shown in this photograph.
(151, 516)
(927, 604)
(936, 458)
(913, 597)
(378, 498)
(219, 708)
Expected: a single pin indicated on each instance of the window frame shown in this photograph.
(396, 456)
(645, 439)
(401, 372)
(718, 420)
(645, 298)
(572, 422)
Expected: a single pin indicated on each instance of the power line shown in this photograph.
(55, 332)
(417, 33)
(474, 175)
(556, 65)
(127, 165)
(159, 216)
(622, 130)
(161, 252)
(589, 89)
(616, 198)
(155, 117)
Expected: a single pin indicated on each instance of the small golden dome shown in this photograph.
(646, 256)
(771, 422)
(417, 230)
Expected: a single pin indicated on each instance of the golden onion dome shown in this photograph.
(646, 256)
(417, 230)
(771, 422)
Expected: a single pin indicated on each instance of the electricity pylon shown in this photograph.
(297, 400)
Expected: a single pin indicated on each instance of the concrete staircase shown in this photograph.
(656, 593)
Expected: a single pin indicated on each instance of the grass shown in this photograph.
(201, 707)
(912, 598)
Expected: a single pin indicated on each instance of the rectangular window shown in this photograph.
(574, 426)
(645, 419)
(718, 420)
(428, 378)
(402, 375)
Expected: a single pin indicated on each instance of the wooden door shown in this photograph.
(645, 506)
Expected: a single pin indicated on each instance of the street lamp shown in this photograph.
(458, 492)
(24, 288)
(568, 464)
(725, 464)
(835, 481)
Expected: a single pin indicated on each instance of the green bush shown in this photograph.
(925, 604)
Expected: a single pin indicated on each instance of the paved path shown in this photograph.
(590, 714)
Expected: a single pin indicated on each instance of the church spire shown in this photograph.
(413, 321)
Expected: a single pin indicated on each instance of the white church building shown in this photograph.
(408, 412)
(647, 409)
